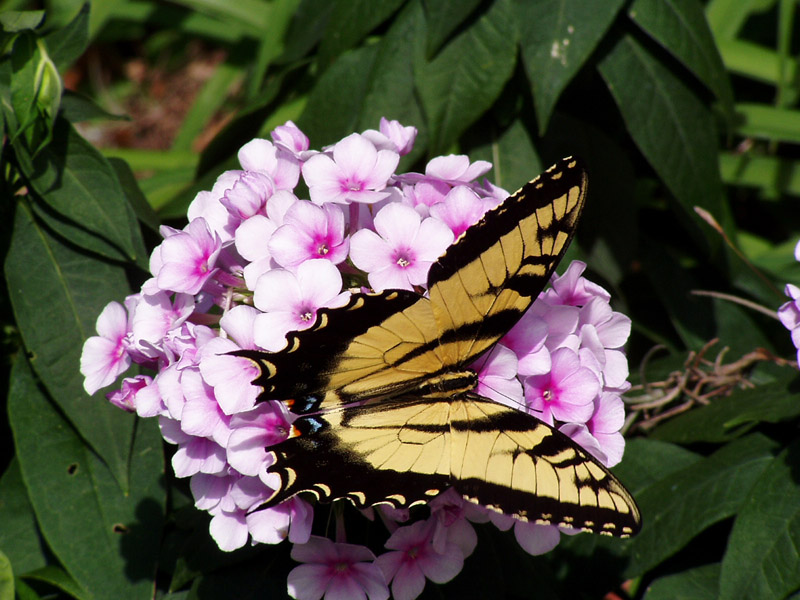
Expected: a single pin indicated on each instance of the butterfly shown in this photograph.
(385, 392)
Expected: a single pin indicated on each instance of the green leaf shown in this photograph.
(78, 183)
(513, 157)
(557, 37)
(727, 418)
(680, 27)
(468, 75)
(19, 537)
(768, 122)
(763, 556)
(700, 583)
(350, 22)
(25, 592)
(738, 329)
(671, 126)
(136, 201)
(307, 28)
(57, 295)
(775, 175)
(678, 507)
(647, 461)
(690, 315)
(334, 105)
(726, 17)
(24, 61)
(6, 578)
(76, 234)
(444, 18)
(14, 21)
(106, 539)
(250, 15)
(76, 108)
(66, 44)
(59, 579)
(390, 92)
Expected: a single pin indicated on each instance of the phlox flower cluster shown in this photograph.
(789, 313)
(256, 262)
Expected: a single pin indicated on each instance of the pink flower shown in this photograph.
(335, 572)
(425, 194)
(125, 397)
(249, 194)
(535, 539)
(412, 559)
(392, 136)
(497, 376)
(461, 209)
(604, 333)
(229, 529)
(291, 519)
(139, 394)
(290, 300)
(264, 156)
(105, 356)
(527, 340)
(356, 173)
(230, 376)
(310, 231)
(152, 316)
(207, 205)
(289, 137)
(401, 253)
(566, 393)
(188, 258)
(254, 431)
(789, 313)
(456, 168)
(202, 415)
(450, 517)
(572, 289)
(604, 429)
(198, 455)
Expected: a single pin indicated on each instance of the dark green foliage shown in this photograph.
(641, 89)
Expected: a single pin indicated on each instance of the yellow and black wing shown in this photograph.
(382, 345)
(407, 443)
(405, 451)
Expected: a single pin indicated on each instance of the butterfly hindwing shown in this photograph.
(394, 452)
(404, 451)
(515, 464)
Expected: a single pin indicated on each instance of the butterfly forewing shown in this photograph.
(484, 282)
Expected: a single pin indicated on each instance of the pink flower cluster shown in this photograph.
(789, 313)
(256, 262)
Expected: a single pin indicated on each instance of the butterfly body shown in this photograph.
(389, 415)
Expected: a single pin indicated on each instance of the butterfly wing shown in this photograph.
(513, 463)
(392, 452)
(381, 345)
(375, 346)
(403, 452)
(487, 279)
